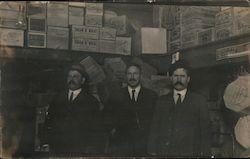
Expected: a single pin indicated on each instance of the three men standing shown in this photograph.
(180, 127)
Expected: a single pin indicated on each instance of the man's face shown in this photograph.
(75, 80)
(180, 79)
(133, 76)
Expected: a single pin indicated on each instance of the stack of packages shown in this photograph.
(95, 36)
(12, 23)
(175, 29)
(37, 24)
(58, 25)
(86, 37)
(232, 21)
(194, 20)
(123, 29)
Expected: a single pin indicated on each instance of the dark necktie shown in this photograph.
(133, 95)
(179, 99)
(71, 97)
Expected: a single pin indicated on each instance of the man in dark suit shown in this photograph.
(131, 110)
(72, 120)
(180, 127)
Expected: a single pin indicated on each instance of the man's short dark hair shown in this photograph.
(135, 65)
(179, 64)
(80, 69)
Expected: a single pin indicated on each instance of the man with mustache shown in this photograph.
(73, 117)
(180, 127)
(130, 111)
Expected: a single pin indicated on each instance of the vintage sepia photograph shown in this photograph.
(125, 79)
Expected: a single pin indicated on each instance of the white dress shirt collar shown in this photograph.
(182, 92)
(137, 90)
(75, 93)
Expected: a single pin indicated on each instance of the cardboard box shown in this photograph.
(224, 31)
(206, 36)
(117, 66)
(37, 24)
(123, 45)
(13, 19)
(175, 33)
(107, 33)
(154, 40)
(57, 38)
(36, 40)
(84, 32)
(242, 20)
(107, 46)
(93, 20)
(36, 9)
(175, 45)
(94, 8)
(232, 21)
(81, 44)
(11, 37)
(94, 70)
(233, 51)
(58, 14)
(76, 16)
(121, 24)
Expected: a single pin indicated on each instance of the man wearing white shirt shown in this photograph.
(131, 109)
(68, 128)
(180, 126)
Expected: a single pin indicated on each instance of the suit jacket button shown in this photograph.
(167, 143)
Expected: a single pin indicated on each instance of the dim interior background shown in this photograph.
(39, 40)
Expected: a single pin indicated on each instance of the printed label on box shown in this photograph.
(37, 40)
(85, 32)
(85, 45)
(37, 25)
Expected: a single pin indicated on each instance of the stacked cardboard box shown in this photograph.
(232, 21)
(13, 14)
(76, 15)
(58, 25)
(94, 14)
(206, 36)
(233, 51)
(37, 24)
(94, 70)
(107, 40)
(57, 38)
(194, 20)
(58, 14)
(117, 66)
(11, 37)
(154, 40)
(85, 38)
(174, 36)
(121, 24)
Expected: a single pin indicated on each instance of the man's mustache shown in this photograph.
(132, 79)
(176, 83)
(71, 82)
